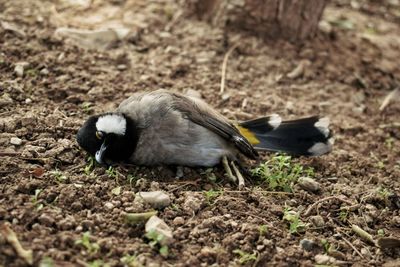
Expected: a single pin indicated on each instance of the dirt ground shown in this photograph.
(51, 196)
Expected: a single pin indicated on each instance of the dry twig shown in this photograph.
(224, 64)
(353, 247)
(308, 211)
(391, 96)
(11, 237)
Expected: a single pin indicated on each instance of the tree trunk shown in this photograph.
(288, 19)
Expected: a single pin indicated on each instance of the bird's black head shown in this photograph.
(110, 137)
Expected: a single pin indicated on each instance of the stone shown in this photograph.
(307, 245)
(324, 259)
(16, 141)
(93, 39)
(157, 199)
(309, 184)
(109, 205)
(44, 71)
(160, 227)
(317, 221)
(178, 221)
(46, 220)
(20, 68)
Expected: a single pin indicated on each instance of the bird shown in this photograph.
(163, 127)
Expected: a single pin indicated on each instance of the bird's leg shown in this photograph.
(228, 169)
(238, 175)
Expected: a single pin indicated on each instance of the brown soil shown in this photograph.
(351, 67)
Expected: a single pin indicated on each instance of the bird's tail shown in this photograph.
(307, 136)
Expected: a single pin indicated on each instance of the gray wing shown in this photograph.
(202, 114)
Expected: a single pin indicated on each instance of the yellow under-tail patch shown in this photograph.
(251, 137)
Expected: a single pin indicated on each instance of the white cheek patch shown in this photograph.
(111, 123)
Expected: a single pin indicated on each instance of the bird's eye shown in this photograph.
(99, 135)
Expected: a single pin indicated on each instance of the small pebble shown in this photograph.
(46, 220)
(160, 227)
(122, 67)
(16, 141)
(28, 101)
(309, 184)
(178, 221)
(307, 245)
(317, 221)
(20, 68)
(157, 199)
(109, 205)
(324, 259)
(44, 71)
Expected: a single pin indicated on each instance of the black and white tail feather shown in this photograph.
(308, 136)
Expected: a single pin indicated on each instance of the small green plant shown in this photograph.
(132, 179)
(87, 107)
(209, 173)
(97, 263)
(280, 173)
(60, 177)
(85, 242)
(35, 200)
(211, 195)
(344, 215)
(91, 163)
(130, 261)
(174, 207)
(381, 232)
(383, 192)
(156, 242)
(112, 172)
(245, 257)
(389, 143)
(326, 245)
(293, 218)
(263, 229)
(116, 191)
(46, 262)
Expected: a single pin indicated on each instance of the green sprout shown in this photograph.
(35, 200)
(87, 107)
(343, 215)
(381, 232)
(293, 218)
(111, 172)
(132, 179)
(130, 261)
(60, 177)
(280, 173)
(209, 173)
(245, 257)
(97, 263)
(85, 242)
(263, 229)
(46, 262)
(91, 163)
(383, 192)
(156, 240)
(211, 195)
(326, 245)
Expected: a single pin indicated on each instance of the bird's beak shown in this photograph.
(100, 153)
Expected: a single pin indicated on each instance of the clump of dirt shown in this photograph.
(52, 194)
